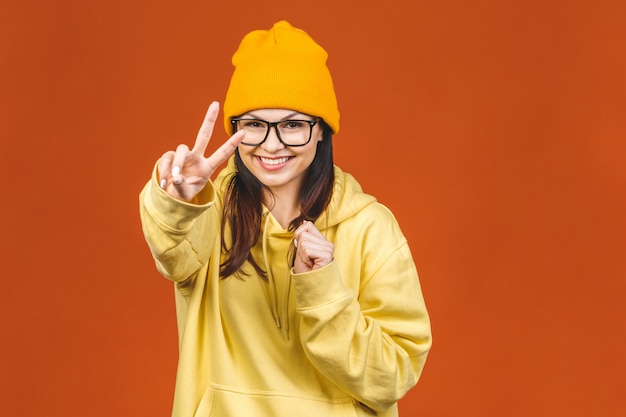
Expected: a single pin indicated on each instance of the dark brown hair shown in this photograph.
(242, 205)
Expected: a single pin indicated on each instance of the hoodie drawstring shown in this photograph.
(273, 291)
(270, 278)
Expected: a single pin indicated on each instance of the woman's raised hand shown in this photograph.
(184, 173)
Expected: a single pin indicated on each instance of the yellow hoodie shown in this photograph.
(349, 339)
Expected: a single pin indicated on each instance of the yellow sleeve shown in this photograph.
(364, 324)
(180, 235)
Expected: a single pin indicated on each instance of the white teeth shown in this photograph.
(277, 161)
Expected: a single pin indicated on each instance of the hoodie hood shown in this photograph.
(347, 200)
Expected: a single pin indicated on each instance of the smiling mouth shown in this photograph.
(274, 161)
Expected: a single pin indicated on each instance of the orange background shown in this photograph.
(495, 131)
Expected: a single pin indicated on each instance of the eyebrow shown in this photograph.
(287, 117)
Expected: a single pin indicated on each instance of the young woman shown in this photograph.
(296, 293)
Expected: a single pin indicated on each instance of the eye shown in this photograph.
(294, 124)
(253, 124)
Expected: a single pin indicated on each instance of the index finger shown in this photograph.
(206, 130)
(226, 150)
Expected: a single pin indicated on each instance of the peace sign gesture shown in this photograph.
(184, 173)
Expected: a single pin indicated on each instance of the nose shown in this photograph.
(272, 143)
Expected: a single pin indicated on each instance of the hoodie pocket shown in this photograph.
(220, 401)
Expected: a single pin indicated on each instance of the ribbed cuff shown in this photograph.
(319, 287)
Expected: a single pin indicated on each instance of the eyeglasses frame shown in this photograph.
(311, 123)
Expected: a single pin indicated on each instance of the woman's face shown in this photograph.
(279, 167)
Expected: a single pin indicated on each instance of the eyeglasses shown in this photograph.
(289, 132)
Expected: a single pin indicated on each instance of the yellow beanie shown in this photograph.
(281, 68)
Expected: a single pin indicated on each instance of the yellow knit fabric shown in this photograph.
(281, 68)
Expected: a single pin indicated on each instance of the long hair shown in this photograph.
(242, 205)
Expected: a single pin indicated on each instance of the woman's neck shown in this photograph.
(284, 207)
